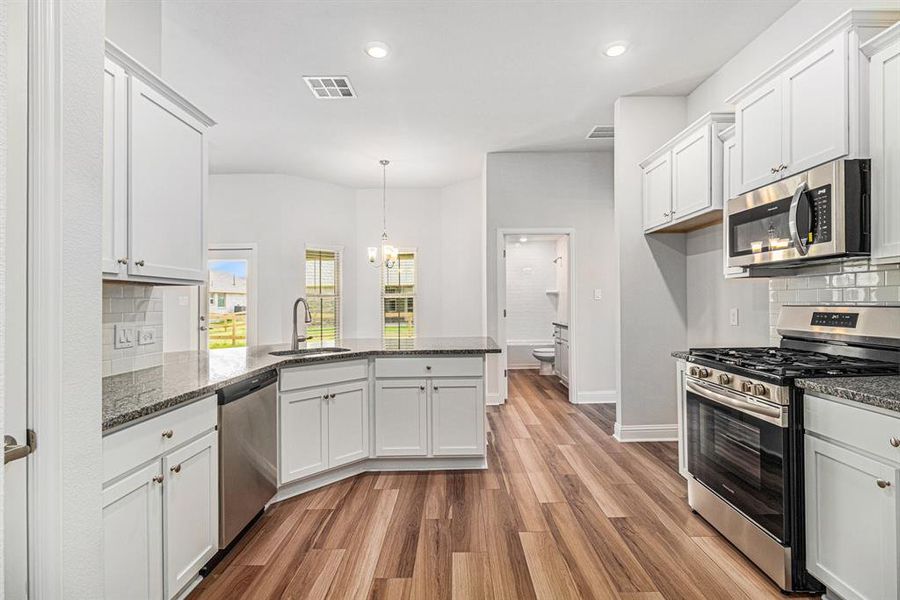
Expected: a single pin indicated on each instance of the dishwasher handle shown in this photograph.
(238, 390)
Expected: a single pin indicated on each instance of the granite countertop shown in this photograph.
(188, 376)
(882, 391)
(681, 354)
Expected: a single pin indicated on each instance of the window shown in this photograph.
(323, 293)
(398, 294)
(227, 288)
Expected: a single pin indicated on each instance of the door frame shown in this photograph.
(252, 291)
(502, 232)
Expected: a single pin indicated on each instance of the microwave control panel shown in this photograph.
(820, 214)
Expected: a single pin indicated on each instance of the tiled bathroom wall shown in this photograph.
(137, 306)
(852, 282)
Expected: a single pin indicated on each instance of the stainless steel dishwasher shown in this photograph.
(247, 453)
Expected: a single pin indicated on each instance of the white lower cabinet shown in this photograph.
(401, 417)
(191, 509)
(133, 536)
(321, 428)
(457, 417)
(852, 473)
(161, 511)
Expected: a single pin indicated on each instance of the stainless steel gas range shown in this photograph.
(745, 426)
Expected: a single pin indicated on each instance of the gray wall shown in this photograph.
(540, 189)
(136, 27)
(652, 270)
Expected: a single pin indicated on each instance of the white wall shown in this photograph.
(530, 272)
(3, 166)
(282, 214)
(135, 26)
(462, 258)
(652, 299)
(543, 189)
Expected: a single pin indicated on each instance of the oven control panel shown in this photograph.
(845, 320)
(737, 383)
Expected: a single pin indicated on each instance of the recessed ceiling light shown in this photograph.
(377, 49)
(616, 49)
(523, 239)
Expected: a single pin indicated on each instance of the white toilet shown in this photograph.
(546, 356)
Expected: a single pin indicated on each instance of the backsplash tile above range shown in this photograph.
(137, 306)
(851, 282)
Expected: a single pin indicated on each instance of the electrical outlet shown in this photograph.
(598, 294)
(733, 317)
(124, 336)
(146, 335)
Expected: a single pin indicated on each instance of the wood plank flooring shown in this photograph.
(564, 511)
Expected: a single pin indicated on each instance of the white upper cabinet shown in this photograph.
(682, 180)
(808, 108)
(884, 128)
(155, 177)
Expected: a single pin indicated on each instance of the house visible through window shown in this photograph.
(398, 295)
(323, 293)
(227, 303)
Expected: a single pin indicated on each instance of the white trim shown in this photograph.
(296, 488)
(493, 399)
(252, 287)
(646, 433)
(501, 233)
(597, 397)
(45, 300)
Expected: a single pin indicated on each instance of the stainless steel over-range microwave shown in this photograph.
(820, 214)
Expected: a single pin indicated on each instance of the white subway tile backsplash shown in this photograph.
(892, 277)
(137, 306)
(872, 278)
(843, 280)
(890, 293)
(855, 294)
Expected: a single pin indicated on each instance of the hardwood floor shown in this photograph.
(564, 511)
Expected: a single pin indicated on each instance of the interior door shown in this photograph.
(14, 508)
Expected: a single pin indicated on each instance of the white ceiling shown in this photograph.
(463, 78)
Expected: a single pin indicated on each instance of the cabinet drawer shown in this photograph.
(864, 429)
(135, 445)
(295, 378)
(430, 366)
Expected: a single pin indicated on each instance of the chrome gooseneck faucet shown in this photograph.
(307, 318)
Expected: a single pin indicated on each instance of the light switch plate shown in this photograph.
(733, 317)
(146, 335)
(598, 294)
(124, 336)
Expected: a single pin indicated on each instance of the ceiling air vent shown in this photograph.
(600, 133)
(330, 87)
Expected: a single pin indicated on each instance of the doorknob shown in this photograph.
(13, 450)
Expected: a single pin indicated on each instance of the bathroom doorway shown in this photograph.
(535, 309)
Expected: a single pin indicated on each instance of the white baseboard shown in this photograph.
(646, 433)
(295, 488)
(493, 399)
(597, 397)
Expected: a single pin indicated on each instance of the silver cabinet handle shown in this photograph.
(422, 387)
(157, 479)
(895, 442)
(333, 396)
(168, 433)
(882, 483)
(800, 244)
(123, 260)
(176, 468)
(773, 170)
(139, 263)
(665, 214)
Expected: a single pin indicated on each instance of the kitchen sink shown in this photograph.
(309, 351)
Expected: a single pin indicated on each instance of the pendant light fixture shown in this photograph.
(388, 252)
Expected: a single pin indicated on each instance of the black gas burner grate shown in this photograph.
(787, 362)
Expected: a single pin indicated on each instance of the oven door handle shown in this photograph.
(802, 245)
(769, 413)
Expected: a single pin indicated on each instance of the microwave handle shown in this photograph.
(799, 196)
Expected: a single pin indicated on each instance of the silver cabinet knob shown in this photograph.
(333, 396)
(427, 367)
(882, 483)
(157, 479)
(895, 442)
(123, 260)
(422, 388)
(773, 170)
(203, 328)
(435, 388)
(176, 468)
(665, 214)
(139, 263)
(168, 433)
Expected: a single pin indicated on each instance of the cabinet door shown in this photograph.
(691, 169)
(302, 433)
(815, 109)
(851, 534)
(759, 136)
(132, 536)
(115, 172)
(401, 419)
(564, 361)
(168, 174)
(457, 417)
(884, 73)
(657, 192)
(348, 423)
(191, 510)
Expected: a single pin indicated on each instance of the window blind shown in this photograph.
(398, 297)
(323, 293)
